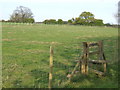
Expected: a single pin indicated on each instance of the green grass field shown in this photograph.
(25, 51)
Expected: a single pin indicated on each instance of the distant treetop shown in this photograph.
(22, 14)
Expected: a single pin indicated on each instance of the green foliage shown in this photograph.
(79, 21)
(50, 21)
(69, 21)
(29, 20)
(45, 21)
(60, 21)
(87, 18)
(86, 15)
(98, 22)
(53, 21)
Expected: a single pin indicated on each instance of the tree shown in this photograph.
(97, 22)
(22, 14)
(50, 21)
(79, 20)
(69, 21)
(3, 20)
(45, 21)
(60, 21)
(87, 16)
(29, 20)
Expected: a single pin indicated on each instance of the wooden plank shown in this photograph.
(92, 44)
(83, 67)
(76, 61)
(51, 68)
(73, 72)
(75, 68)
(97, 72)
(97, 61)
(95, 52)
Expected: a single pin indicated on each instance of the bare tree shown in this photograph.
(21, 14)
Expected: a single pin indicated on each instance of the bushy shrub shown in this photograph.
(50, 21)
(60, 21)
(29, 20)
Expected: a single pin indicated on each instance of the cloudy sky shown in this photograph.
(62, 9)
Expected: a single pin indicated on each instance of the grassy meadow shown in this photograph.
(25, 55)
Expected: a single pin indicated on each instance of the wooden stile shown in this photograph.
(84, 60)
(99, 52)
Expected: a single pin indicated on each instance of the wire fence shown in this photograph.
(65, 57)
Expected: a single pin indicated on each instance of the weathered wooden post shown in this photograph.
(100, 43)
(84, 63)
(101, 54)
(104, 67)
(51, 67)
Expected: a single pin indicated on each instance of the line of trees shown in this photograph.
(85, 18)
(24, 15)
(53, 21)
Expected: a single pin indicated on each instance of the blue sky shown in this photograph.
(62, 9)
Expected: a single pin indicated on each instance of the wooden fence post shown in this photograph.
(102, 57)
(101, 50)
(84, 63)
(104, 67)
(51, 67)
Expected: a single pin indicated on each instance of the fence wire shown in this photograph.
(65, 58)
